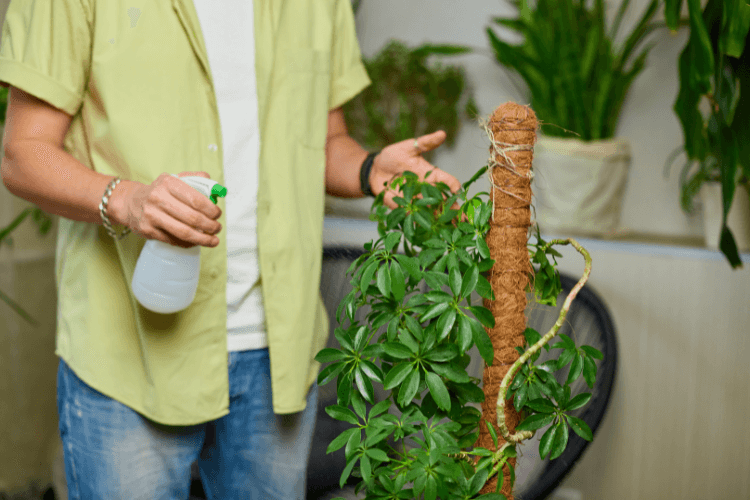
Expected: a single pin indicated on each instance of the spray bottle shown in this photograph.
(166, 276)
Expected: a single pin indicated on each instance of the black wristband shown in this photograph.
(364, 174)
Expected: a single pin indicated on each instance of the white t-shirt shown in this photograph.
(227, 27)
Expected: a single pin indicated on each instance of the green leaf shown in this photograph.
(478, 481)
(340, 413)
(380, 408)
(409, 388)
(392, 241)
(470, 281)
(545, 444)
(410, 264)
(372, 371)
(575, 368)
(482, 248)
(398, 283)
(482, 340)
(483, 315)
(451, 373)
(535, 422)
(364, 385)
(589, 371)
(560, 440)
(442, 353)
(359, 405)
(344, 389)
(330, 372)
(341, 440)
(438, 390)
(445, 323)
(465, 334)
(434, 311)
(353, 444)
(493, 433)
(367, 276)
(430, 489)
(346, 472)
(396, 375)
(397, 350)
(580, 427)
(594, 353)
(579, 401)
(454, 280)
(520, 397)
(365, 468)
(541, 406)
(377, 454)
(328, 355)
(384, 280)
(438, 296)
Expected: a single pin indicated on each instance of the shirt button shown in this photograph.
(214, 274)
(213, 147)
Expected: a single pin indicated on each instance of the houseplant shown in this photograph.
(577, 77)
(713, 105)
(414, 344)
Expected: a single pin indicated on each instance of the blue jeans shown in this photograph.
(113, 452)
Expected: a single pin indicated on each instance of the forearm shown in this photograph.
(54, 180)
(344, 158)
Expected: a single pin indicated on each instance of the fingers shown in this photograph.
(171, 211)
(430, 141)
(194, 174)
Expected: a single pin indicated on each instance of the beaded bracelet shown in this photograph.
(103, 211)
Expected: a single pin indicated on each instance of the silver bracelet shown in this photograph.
(103, 211)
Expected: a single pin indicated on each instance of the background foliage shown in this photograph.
(411, 95)
(577, 74)
(713, 103)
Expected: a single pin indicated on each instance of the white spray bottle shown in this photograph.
(166, 276)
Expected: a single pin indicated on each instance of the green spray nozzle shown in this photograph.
(217, 191)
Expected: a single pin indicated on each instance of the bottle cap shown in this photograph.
(217, 191)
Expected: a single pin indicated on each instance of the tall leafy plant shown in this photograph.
(419, 441)
(713, 103)
(576, 71)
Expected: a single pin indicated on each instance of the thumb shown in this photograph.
(431, 141)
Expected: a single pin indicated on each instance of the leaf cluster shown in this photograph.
(410, 95)
(417, 279)
(576, 73)
(713, 103)
(547, 402)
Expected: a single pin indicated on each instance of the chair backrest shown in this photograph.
(588, 323)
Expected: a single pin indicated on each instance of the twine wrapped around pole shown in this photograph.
(512, 132)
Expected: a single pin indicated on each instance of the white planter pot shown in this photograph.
(738, 218)
(579, 186)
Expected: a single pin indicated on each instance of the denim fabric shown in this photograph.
(112, 452)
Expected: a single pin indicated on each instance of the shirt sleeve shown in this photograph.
(46, 50)
(348, 74)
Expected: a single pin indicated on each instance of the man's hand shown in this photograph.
(407, 155)
(168, 210)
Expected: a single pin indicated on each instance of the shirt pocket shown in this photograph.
(302, 90)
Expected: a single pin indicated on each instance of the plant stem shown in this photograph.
(502, 426)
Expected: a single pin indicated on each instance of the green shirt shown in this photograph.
(134, 76)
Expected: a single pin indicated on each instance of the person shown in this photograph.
(107, 99)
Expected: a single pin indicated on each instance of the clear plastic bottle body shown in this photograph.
(166, 276)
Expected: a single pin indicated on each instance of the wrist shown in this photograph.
(365, 174)
(117, 208)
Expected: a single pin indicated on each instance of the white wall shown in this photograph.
(651, 204)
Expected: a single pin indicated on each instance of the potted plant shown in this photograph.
(577, 77)
(423, 440)
(713, 105)
(412, 94)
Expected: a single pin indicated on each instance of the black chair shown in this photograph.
(588, 323)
